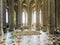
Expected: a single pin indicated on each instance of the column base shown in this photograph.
(10, 30)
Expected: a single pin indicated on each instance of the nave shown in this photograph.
(43, 39)
(29, 22)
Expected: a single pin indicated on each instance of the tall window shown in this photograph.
(34, 18)
(24, 18)
(34, 21)
(6, 16)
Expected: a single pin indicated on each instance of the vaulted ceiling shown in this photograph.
(25, 3)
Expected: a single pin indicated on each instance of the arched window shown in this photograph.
(34, 21)
(24, 18)
(34, 18)
(6, 16)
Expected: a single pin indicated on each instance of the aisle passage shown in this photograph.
(42, 39)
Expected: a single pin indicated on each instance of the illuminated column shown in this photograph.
(1, 16)
(19, 14)
(11, 15)
(29, 13)
(37, 4)
(45, 14)
(42, 12)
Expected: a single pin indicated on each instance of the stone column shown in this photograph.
(57, 2)
(58, 13)
(52, 16)
(48, 28)
(4, 15)
(57, 8)
(43, 13)
(44, 10)
(1, 17)
(29, 8)
(17, 25)
(19, 14)
(37, 8)
(11, 15)
(45, 19)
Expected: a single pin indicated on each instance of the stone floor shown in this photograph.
(43, 39)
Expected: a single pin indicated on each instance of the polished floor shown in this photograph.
(43, 39)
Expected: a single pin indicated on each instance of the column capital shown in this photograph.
(21, 1)
(28, 1)
(35, 1)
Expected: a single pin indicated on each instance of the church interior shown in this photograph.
(29, 22)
